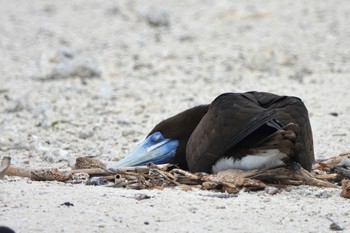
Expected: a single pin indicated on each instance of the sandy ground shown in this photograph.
(157, 58)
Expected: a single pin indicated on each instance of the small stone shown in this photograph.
(105, 91)
(86, 133)
(158, 18)
(264, 61)
(98, 181)
(271, 190)
(142, 196)
(104, 136)
(323, 194)
(336, 226)
(49, 157)
(345, 162)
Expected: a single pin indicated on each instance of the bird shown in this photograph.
(250, 130)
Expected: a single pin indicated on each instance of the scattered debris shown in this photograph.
(92, 172)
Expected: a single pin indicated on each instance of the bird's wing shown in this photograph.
(232, 117)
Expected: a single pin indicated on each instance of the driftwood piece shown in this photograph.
(332, 162)
(52, 173)
(342, 171)
(49, 175)
(18, 171)
(329, 177)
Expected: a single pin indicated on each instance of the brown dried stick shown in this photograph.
(331, 162)
(25, 172)
(18, 171)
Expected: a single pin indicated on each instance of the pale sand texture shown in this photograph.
(149, 73)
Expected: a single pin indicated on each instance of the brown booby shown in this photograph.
(251, 130)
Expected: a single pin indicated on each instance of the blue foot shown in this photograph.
(155, 148)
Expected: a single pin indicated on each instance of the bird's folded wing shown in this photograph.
(232, 117)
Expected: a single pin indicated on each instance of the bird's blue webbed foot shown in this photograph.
(155, 148)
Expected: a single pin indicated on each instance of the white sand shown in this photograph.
(296, 48)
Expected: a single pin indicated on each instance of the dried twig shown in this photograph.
(168, 176)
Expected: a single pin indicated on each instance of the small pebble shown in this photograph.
(98, 181)
(336, 226)
(323, 194)
(142, 196)
(86, 133)
(345, 162)
(271, 190)
(158, 18)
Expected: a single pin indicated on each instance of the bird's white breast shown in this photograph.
(267, 159)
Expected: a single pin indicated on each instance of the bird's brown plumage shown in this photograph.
(237, 123)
